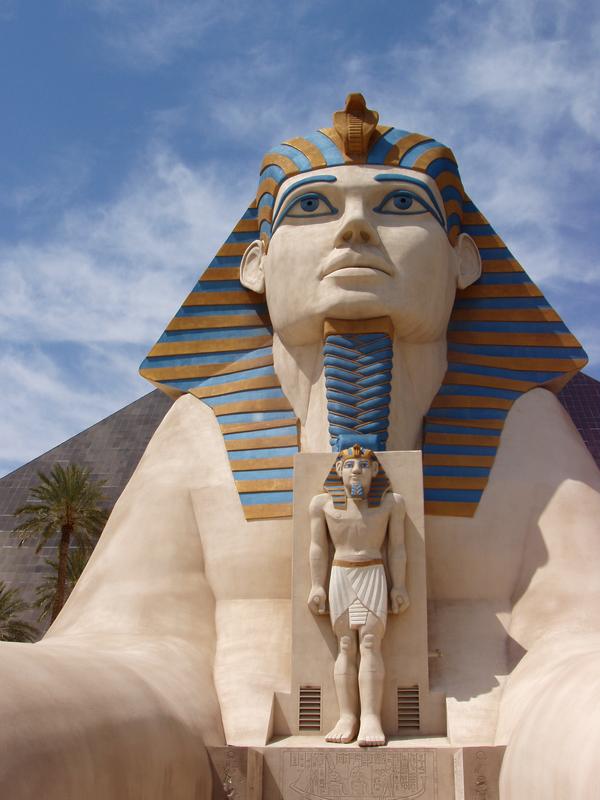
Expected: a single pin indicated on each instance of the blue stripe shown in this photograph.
(217, 286)
(508, 327)
(454, 220)
(249, 394)
(466, 413)
(451, 193)
(238, 437)
(478, 230)
(213, 333)
(265, 228)
(457, 450)
(266, 199)
(503, 302)
(409, 158)
(219, 380)
(273, 171)
(477, 391)
(330, 152)
(256, 416)
(260, 474)
(384, 144)
(495, 253)
(187, 360)
(224, 310)
(532, 376)
(431, 427)
(240, 236)
(461, 472)
(299, 159)
(225, 261)
(508, 351)
(250, 213)
(440, 165)
(490, 278)
(453, 495)
(268, 498)
(269, 452)
(470, 207)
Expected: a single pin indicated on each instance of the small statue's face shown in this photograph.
(357, 242)
(356, 475)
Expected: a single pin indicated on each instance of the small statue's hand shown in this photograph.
(317, 600)
(399, 600)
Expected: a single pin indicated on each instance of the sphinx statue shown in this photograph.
(177, 637)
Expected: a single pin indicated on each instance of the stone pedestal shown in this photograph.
(329, 772)
(409, 708)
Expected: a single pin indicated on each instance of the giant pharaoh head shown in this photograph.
(396, 199)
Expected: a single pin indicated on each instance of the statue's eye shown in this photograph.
(312, 204)
(402, 202)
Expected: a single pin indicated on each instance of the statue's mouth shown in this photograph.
(357, 264)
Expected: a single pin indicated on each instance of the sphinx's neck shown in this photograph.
(417, 373)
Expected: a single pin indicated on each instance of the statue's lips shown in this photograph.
(356, 266)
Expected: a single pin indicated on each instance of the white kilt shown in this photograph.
(367, 585)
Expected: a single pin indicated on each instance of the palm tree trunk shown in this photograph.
(61, 577)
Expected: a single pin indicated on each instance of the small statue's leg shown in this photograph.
(345, 676)
(370, 681)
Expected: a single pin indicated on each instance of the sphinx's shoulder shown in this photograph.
(540, 438)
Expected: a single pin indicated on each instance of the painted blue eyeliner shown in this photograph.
(390, 176)
(303, 182)
(298, 200)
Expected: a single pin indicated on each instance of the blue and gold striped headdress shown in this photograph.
(503, 336)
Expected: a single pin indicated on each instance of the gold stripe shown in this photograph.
(268, 511)
(264, 382)
(450, 509)
(374, 325)
(191, 371)
(452, 460)
(487, 240)
(452, 206)
(469, 401)
(277, 160)
(222, 298)
(516, 364)
(398, 150)
(310, 150)
(221, 274)
(462, 439)
(267, 186)
(501, 265)
(233, 249)
(500, 290)
(240, 427)
(251, 319)
(261, 443)
(496, 424)
(260, 404)
(507, 314)
(474, 217)
(196, 347)
(426, 158)
(265, 485)
(447, 179)
(493, 381)
(453, 482)
(279, 462)
(525, 339)
(245, 225)
(339, 562)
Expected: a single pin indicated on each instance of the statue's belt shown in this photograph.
(338, 562)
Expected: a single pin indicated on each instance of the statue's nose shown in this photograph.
(355, 228)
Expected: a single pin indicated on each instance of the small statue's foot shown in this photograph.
(370, 733)
(344, 731)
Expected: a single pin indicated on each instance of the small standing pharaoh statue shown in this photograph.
(358, 511)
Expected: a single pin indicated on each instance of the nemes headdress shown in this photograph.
(503, 336)
(334, 485)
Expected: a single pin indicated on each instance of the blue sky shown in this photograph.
(132, 132)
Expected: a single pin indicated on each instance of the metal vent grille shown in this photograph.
(409, 717)
(309, 708)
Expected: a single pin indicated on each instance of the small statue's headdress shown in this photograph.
(334, 485)
(356, 451)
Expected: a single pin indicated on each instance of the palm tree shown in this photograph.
(68, 502)
(46, 590)
(13, 629)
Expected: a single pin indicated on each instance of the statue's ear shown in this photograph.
(252, 273)
(469, 261)
(339, 465)
(374, 468)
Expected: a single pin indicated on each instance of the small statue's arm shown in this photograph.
(319, 555)
(399, 600)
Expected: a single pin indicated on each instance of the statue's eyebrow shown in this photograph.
(391, 176)
(303, 182)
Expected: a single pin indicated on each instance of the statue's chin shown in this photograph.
(356, 490)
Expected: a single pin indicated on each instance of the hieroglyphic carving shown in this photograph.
(481, 770)
(361, 775)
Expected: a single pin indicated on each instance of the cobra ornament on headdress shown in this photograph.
(503, 336)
